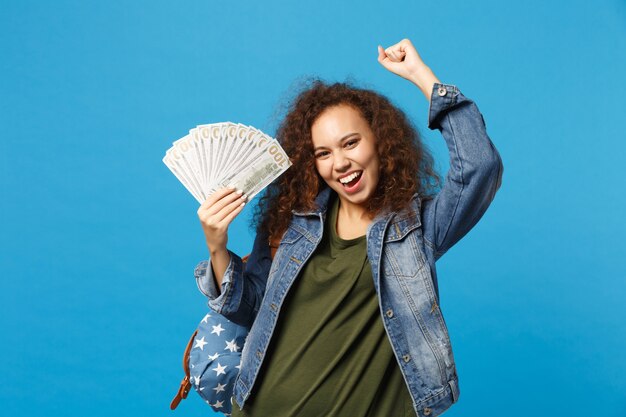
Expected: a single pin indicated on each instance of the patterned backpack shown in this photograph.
(212, 360)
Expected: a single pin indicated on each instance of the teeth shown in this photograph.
(350, 177)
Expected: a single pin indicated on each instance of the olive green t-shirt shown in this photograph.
(329, 354)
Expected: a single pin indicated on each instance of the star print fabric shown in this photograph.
(214, 360)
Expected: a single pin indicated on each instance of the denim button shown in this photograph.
(406, 358)
(389, 313)
(426, 411)
(442, 91)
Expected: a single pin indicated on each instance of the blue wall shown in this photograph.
(99, 240)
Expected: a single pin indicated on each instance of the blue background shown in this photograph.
(99, 239)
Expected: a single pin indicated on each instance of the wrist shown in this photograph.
(217, 251)
(421, 75)
(424, 79)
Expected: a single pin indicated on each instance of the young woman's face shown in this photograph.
(345, 153)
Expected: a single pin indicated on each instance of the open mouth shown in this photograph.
(351, 180)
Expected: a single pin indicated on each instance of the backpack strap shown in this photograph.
(185, 384)
(273, 249)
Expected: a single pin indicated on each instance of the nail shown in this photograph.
(239, 191)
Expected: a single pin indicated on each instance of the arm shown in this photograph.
(475, 172)
(242, 285)
(234, 289)
(475, 165)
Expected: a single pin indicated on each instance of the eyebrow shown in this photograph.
(345, 137)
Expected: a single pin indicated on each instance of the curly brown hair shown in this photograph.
(406, 164)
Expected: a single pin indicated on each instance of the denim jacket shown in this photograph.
(402, 248)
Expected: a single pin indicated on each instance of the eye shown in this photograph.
(321, 154)
(351, 143)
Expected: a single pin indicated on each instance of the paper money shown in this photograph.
(225, 154)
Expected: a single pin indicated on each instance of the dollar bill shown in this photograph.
(188, 158)
(173, 166)
(216, 155)
(259, 174)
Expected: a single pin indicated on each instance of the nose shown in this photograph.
(340, 162)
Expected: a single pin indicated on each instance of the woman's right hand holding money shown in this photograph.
(216, 214)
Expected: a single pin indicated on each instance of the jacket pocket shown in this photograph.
(289, 244)
(404, 257)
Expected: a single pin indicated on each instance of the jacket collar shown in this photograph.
(399, 223)
(321, 203)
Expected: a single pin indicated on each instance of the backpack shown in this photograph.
(212, 358)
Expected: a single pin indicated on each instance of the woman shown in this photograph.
(345, 317)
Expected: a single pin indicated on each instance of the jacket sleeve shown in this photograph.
(243, 284)
(475, 172)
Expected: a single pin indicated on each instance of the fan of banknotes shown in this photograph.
(226, 154)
